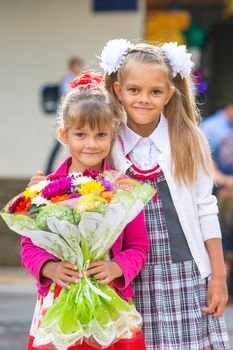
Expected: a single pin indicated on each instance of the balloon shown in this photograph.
(195, 36)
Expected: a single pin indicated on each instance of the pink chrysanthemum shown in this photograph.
(74, 195)
(57, 187)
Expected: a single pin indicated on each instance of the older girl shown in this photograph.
(181, 292)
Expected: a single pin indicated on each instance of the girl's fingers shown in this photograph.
(208, 299)
(211, 308)
(40, 173)
(62, 284)
(95, 264)
(219, 311)
(70, 267)
(104, 281)
(69, 279)
(93, 271)
(66, 278)
(34, 180)
(71, 273)
(100, 276)
(220, 307)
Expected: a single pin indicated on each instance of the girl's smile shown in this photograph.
(142, 110)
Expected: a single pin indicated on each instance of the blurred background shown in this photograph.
(38, 41)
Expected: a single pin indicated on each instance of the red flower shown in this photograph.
(24, 206)
(87, 78)
(95, 174)
(15, 204)
(57, 291)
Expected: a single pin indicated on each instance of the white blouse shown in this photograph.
(143, 151)
(195, 205)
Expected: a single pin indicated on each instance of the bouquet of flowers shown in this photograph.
(77, 218)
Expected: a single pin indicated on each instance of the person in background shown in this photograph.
(74, 68)
(218, 129)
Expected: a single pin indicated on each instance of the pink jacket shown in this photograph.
(129, 251)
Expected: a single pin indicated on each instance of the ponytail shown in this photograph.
(189, 148)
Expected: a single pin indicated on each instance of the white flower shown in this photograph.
(39, 201)
(179, 58)
(81, 180)
(40, 186)
(113, 54)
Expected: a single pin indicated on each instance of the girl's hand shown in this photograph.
(104, 271)
(61, 273)
(217, 297)
(40, 175)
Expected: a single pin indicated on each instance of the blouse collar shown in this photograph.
(159, 136)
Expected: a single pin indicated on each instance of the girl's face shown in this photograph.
(143, 92)
(88, 148)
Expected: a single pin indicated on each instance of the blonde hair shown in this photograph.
(189, 148)
(89, 105)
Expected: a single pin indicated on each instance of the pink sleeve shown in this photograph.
(33, 258)
(135, 248)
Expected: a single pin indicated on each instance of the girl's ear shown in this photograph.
(170, 93)
(62, 135)
(117, 89)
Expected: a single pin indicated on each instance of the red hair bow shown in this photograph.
(86, 78)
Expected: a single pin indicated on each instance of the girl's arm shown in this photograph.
(46, 268)
(126, 264)
(217, 288)
(210, 228)
(33, 258)
(207, 206)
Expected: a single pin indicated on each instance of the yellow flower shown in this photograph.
(91, 187)
(90, 202)
(28, 194)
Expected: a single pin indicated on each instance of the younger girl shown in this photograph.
(181, 292)
(88, 125)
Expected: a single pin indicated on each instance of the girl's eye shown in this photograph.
(133, 90)
(102, 134)
(80, 135)
(156, 92)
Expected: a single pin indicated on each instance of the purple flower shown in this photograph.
(107, 185)
(57, 187)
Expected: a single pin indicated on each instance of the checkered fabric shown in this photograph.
(169, 295)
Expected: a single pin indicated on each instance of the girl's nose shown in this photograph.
(91, 142)
(143, 98)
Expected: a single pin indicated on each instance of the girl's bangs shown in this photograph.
(94, 115)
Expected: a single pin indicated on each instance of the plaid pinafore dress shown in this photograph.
(169, 291)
